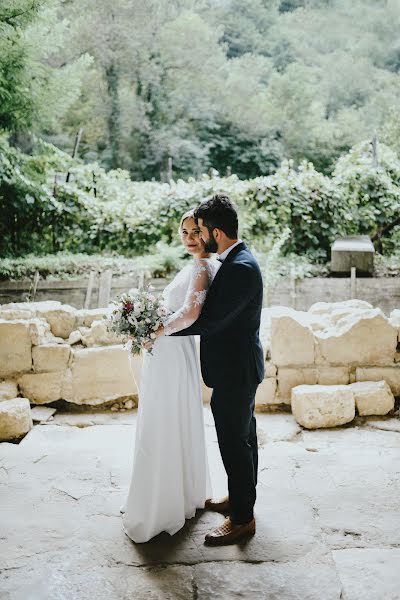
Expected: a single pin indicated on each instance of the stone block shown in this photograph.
(50, 357)
(326, 308)
(75, 337)
(15, 348)
(98, 375)
(42, 414)
(85, 317)
(12, 314)
(270, 369)
(372, 397)
(389, 374)
(15, 419)
(363, 338)
(315, 406)
(33, 307)
(394, 319)
(98, 335)
(8, 390)
(289, 378)
(40, 331)
(352, 251)
(62, 320)
(41, 388)
(333, 376)
(292, 339)
(266, 394)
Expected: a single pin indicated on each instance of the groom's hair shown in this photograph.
(219, 212)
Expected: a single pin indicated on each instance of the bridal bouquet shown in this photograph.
(137, 315)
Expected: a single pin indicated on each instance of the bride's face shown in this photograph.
(190, 236)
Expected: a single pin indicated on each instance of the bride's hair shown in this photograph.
(188, 215)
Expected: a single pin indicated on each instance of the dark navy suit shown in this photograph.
(232, 363)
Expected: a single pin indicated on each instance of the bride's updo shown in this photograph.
(188, 215)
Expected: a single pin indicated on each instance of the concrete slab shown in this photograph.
(324, 498)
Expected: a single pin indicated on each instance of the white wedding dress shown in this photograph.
(170, 477)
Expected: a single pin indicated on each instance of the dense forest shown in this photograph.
(236, 85)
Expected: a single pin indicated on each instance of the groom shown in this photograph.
(232, 362)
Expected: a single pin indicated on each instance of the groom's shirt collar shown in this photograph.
(222, 257)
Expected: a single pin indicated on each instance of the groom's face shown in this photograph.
(210, 243)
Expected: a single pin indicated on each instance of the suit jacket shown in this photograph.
(230, 348)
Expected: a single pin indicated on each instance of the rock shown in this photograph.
(33, 307)
(266, 394)
(42, 413)
(15, 348)
(322, 308)
(62, 320)
(12, 314)
(395, 318)
(389, 374)
(362, 338)
(98, 375)
(270, 369)
(292, 339)
(8, 390)
(114, 407)
(85, 317)
(333, 375)
(289, 378)
(98, 335)
(39, 330)
(129, 404)
(15, 419)
(315, 406)
(372, 397)
(74, 337)
(41, 388)
(50, 357)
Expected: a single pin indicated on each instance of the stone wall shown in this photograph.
(51, 351)
(330, 344)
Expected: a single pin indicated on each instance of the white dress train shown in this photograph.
(170, 476)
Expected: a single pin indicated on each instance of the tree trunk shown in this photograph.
(114, 131)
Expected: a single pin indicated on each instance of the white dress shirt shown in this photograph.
(222, 257)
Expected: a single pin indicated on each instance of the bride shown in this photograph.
(170, 477)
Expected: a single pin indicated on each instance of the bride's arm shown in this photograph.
(194, 300)
(240, 287)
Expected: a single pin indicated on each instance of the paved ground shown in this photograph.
(328, 517)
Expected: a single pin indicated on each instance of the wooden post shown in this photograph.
(104, 289)
(35, 285)
(169, 170)
(375, 162)
(89, 289)
(75, 150)
(353, 283)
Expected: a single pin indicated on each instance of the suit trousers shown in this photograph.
(232, 406)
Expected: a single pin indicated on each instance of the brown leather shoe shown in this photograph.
(229, 533)
(222, 506)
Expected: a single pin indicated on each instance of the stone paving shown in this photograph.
(328, 517)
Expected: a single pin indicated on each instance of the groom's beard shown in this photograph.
(211, 245)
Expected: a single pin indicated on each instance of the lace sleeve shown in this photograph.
(196, 294)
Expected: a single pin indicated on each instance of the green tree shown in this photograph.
(36, 90)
